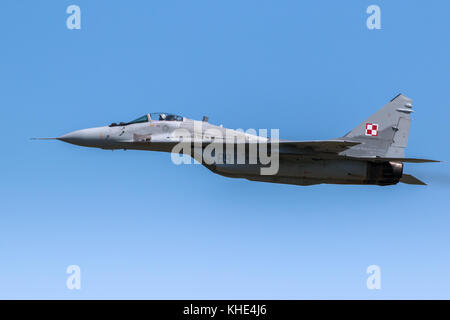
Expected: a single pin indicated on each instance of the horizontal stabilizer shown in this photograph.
(409, 179)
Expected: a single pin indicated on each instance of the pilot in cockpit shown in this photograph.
(170, 117)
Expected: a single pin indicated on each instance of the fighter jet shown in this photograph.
(372, 153)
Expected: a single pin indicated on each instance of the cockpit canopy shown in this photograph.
(160, 116)
(155, 116)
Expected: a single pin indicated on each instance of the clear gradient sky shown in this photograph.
(140, 227)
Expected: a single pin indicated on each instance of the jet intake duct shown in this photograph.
(384, 173)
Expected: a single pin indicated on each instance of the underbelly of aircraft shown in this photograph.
(318, 171)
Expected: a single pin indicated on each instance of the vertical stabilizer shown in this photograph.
(385, 133)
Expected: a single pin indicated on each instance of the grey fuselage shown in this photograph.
(295, 167)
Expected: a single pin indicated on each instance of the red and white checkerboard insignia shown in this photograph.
(371, 129)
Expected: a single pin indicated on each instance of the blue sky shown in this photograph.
(140, 227)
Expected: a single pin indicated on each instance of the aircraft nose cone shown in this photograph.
(85, 137)
(71, 137)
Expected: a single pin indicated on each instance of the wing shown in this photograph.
(294, 147)
(382, 159)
